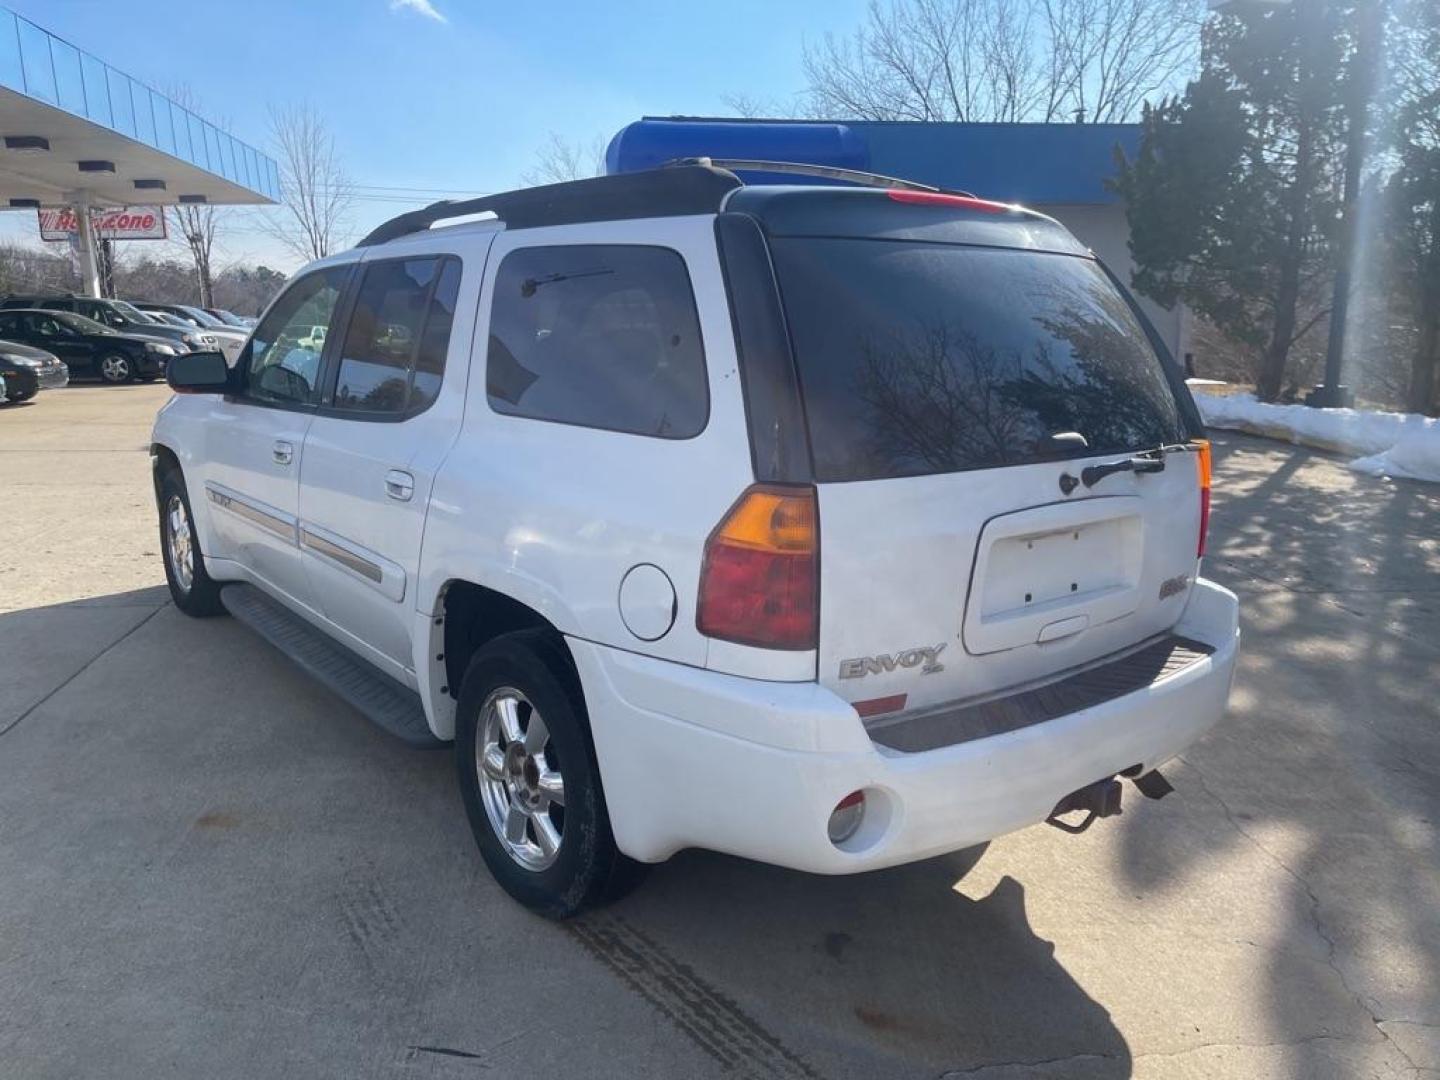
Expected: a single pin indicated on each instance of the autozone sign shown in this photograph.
(122, 223)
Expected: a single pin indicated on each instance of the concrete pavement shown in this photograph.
(210, 867)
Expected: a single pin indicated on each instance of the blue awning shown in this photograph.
(1039, 164)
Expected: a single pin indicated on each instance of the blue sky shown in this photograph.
(445, 94)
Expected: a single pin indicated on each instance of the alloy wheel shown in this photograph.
(521, 783)
(178, 548)
(115, 369)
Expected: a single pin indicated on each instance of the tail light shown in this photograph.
(759, 584)
(1202, 458)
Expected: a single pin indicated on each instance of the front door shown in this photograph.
(255, 439)
(388, 417)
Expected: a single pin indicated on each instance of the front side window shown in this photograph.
(920, 358)
(283, 357)
(46, 326)
(602, 336)
(393, 357)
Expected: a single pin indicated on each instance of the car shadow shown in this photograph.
(889, 973)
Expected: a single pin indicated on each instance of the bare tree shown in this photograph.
(560, 160)
(1004, 60)
(753, 108)
(315, 190)
(194, 223)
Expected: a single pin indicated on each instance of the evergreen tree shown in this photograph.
(1413, 196)
(1233, 196)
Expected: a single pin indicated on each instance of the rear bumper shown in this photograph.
(692, 758)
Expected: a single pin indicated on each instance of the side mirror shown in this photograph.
(198, 373)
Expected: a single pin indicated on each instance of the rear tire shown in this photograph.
(530, 782)
(116, 368)
(193, 590)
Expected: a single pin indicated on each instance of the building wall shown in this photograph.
(1105, 230)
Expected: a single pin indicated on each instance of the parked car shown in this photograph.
(228, 339)
(28, 370)
(88, 348)
(833, 527)
(118, 316)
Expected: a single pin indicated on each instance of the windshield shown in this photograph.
(79, 323)
(204, 318)
(920, 358)
(130, 311)
(229, 318)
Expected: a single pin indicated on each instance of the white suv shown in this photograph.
(834, 527)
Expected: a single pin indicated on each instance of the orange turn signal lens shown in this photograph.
(771, 519)
(1202, 457)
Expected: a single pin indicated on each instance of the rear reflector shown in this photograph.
(1202, 459)
(759, 582)
(939, 198)
(880, 705)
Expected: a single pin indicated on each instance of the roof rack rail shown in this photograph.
(666, 192)
(826, 172)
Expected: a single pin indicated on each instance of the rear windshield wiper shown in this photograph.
(1149, 462)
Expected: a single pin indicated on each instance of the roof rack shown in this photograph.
(696, 189)
(801, 168)
(696, 185)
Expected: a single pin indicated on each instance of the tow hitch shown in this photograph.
(1099, 800)
(1102, 799)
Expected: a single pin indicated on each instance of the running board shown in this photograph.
(386, 703)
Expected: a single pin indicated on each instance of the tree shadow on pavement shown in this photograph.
(1325, 776)
(891, 973)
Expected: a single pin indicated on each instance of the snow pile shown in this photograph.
(1390, 444)
(1416, 456)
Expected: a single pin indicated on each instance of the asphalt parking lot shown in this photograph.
(209, 867)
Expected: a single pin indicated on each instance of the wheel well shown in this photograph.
(475, 616)
(163, 461)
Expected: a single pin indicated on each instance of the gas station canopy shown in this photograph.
(76, 132)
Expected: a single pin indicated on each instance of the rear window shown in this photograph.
(919, 358)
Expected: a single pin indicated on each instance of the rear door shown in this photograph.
(390, 413)
(955, 395)
(48, 333)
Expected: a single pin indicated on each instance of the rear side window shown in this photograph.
(919, 358)
(602, 336)
(393, 357)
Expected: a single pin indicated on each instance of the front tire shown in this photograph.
(192, 589)
(530, 782)
(116, 368)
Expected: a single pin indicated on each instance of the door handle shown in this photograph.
(283, 452)
(399, 484)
